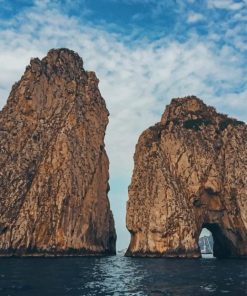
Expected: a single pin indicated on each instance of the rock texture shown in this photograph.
(190, 172)
(53, 164)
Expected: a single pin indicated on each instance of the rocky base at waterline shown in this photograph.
(190, 173)
(53, 164)
(169, 254)
(51, 253)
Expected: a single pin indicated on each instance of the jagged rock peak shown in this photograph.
(192, 108)
(63, 55)
(53, 164)
(62, 61)
(189, 173)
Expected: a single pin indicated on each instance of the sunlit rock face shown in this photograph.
(190, 172)
(53, 164)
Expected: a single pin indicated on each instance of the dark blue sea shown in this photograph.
(119, 275)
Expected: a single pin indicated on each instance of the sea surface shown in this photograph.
(118, 275)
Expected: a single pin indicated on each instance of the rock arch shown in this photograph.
(190, 171)
(223, 242)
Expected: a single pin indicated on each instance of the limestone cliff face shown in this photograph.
(190, 172)
(53, 164)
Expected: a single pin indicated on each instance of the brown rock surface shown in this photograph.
(190, 172)
(53, 164)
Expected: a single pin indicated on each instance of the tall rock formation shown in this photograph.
(190, 172)
(53, 164)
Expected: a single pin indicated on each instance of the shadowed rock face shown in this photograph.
(190, 172)
(53, 164)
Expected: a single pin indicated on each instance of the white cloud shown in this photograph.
(194, 17)
(225, 4)
(136, 81)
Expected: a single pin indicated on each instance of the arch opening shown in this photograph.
(206, 243)
(220, 245)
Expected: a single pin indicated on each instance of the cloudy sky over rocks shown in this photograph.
(144, 52)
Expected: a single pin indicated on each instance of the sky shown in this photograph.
(144, 52)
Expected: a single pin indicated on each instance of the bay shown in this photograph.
(118, 275)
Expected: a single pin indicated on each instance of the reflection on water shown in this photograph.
(208, 256)
(121, 276)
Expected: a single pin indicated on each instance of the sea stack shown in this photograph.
(53, 163)
(190, 172)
